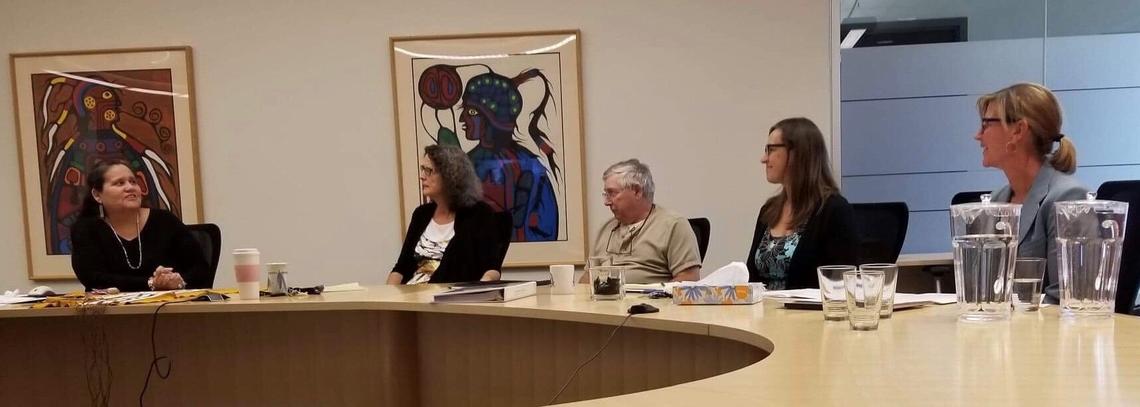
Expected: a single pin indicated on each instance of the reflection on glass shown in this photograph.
(983, 348)
(903, 22)
(1087, 351)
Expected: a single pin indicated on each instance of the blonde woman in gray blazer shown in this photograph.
(1019, 127)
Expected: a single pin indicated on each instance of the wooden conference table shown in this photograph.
(391, 346)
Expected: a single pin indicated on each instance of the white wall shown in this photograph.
(295, 118)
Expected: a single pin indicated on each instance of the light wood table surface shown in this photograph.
(391, 346)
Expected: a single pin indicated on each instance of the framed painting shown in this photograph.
(512, 101)
(75, 109)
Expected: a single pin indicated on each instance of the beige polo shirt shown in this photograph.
(656, 249)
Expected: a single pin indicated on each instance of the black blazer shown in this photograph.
(828, 238)
(474, 249)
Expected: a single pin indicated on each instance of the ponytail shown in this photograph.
(1065, 157)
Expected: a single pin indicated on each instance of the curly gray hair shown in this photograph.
(633, 172)
(460, 185)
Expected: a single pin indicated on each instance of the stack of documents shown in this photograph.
(18, 299)
(811, 296)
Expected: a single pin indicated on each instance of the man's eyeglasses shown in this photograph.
(429, 171)
(625, 244)
(610, 193)
(768, 148)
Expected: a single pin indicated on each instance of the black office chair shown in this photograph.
(209, 236)
(882, 229)
(702, 228)
(506, 225)
(967, 197)
(1128, 282)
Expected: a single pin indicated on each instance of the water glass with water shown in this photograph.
(1090, 236)
(984, 237)
(864, 294)
(831, 291)
(1028, 273)
(890, 280)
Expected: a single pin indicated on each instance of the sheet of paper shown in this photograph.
(15, 299)
(641, 288)
(731, 274)
(353, 286)
(812, 295)
(940, 299)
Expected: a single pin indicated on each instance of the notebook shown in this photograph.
(502, 292)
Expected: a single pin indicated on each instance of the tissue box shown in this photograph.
(749, 293)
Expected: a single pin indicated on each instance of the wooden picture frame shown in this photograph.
(76, 108)
(513, 101)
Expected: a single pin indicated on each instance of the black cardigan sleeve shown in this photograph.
(90, 264)
(487, 242)
(838, 236)
(406, 262)
(474, 249)
(753, 272)
(828, 238)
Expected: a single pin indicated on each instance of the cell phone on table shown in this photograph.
(803, 305)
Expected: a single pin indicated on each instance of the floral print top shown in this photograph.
(774, 258)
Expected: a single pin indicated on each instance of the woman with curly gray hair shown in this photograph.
(451, 238)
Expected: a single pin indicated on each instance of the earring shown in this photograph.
(101, 215)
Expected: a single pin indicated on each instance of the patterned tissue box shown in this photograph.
(749, 293)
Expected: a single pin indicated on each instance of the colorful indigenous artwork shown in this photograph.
(514, 178)
(512, 102)
(74, 113)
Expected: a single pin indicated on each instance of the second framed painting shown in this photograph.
(512, 101)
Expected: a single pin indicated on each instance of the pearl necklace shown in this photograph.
(138, 234)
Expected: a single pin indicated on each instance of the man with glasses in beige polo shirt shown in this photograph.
(656, 243)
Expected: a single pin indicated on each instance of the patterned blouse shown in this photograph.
(429, 251)
(773, 258)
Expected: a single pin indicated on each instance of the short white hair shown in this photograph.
(632, 172)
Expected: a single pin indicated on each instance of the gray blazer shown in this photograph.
(1038, 231)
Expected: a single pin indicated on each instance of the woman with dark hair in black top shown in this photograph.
(808, 224)
(452, 238)
(116, 242)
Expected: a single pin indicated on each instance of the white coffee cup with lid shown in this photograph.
(247, 270)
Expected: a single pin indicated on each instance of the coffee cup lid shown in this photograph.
(245, 251)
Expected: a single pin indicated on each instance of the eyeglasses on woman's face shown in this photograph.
(769, 148)
(988, 122)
